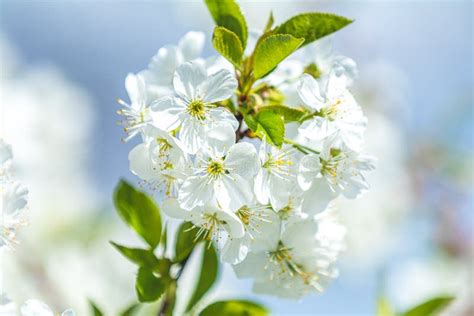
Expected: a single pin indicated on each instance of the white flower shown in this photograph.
(336, 170)
(5, 160)
(193, 111)
(37, 308)
(276, 176)
(325, 61)
(222, 173)
(211, 220)
(13, 196)
(168, 58)
(160, 161)
(335, 111)
(299, 262)
(261, 226)
(136, 114)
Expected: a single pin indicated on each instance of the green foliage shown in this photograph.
(149, 287)
(227, 13)
(384, 308)
(288, 114)
(141, 257)
(234, 308)
(228, 45)
(269, 25)
(271, 51)
(95, 310)
(139, 211)
(271, 126)
(312, 26)
(185, 242)
(208, 275)
(430, 307)
(130, 310)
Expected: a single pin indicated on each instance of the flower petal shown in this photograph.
(172, 208)
(191, 134)
(261, 188)
(163, 65)
(235, 250)
(191, 45)
(309, 169)
(242, 159)
(223, 116)
(165, 113)
(195, 191)
(35, 308)
(317, 198)
(217, 87)
(140, 162)
(309, 92)
(136, 89)
(232, 192)
(220, 138)
(187, 78)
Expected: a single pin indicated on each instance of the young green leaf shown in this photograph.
(288, 114)
(227, 13)
(149, 288)
(430, 307)
(139, 211)
(185, 241)
(271, 126)
(234, 308)
(269, 24)
(209, 270)
(95, 310)
(141, 257)
(130, 310)
(312, 26)
(228, 45)
(271, 51)
(384, 308)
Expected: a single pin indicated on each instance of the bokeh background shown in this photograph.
(63, 64)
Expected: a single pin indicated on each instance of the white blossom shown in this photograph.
(222, 172)
(336, 170)
(194, 109)
(35, 307)
(336, 111)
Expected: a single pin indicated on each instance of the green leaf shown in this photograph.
(430, 307)
(95, 310)
(271, 126)
(234, 308)
(250, 121)
(228, 45)
(209, 270)
(149, 288)
(271, 51)
(185, 241)
(312, 26)
(139, 211)
(141, 257)
(269, 24)
(227, 13)
(384, 308)
(288, 114)
(131, 310)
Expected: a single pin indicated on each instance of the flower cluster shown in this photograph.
(205, 145)
(14, 200)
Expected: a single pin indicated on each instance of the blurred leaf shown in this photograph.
(384, 308)
(139, 211)
(185, 241)
(131, 310)
(288, 114)
(234, 308)
(141, 257)
(227, 13)
(430, 307)
(228, 45)
(250, 121)
(95, 310)
(271, 126)
(209, 271)
(149, 288)
(312, 26)
(271, 51)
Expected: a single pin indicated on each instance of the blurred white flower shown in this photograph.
(37, 308)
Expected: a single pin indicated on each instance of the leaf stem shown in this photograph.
(304, 149)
